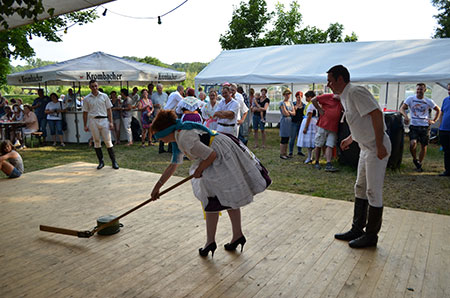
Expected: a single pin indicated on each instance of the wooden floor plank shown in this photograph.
(290, 250)
(386, 237)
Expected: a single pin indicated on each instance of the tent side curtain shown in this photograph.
(377, 61)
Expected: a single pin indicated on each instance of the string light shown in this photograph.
(134, 17)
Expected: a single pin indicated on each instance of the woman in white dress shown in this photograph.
(308, 127)
(215, 155)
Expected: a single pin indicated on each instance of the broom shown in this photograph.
(89, 233)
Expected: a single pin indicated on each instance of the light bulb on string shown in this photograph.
(104, 13)
(159, 20)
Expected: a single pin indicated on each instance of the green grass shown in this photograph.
(403, 188)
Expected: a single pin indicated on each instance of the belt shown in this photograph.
(100, 117)
(223, 124)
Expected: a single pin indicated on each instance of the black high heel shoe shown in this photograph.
(233, 245)
(204, 251)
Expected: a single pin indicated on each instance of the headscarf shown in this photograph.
(187, 125)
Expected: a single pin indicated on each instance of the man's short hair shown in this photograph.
(240, 89)
(135, 88)
(92, 82)
(310, 94)
(180, 88)
(340, 70)
(422, 85)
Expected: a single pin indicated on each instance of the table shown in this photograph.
(4, 125)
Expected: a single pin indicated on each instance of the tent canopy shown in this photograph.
(61, 7)
(377, 61)
(102, 67)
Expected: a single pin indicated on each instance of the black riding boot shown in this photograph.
(370, 238)
(113, 158)
(359, 221)
(161, 147)
(99, 153)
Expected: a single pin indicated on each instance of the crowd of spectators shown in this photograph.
(310, 123)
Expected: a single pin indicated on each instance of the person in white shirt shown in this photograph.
(209, 109)
(243, 109)
(159, 99)
(174, 99)
(97, 108)
(171, 102)
(366, 122)
(54, 110)
(227, 112)
(135, 98)
(419, 130)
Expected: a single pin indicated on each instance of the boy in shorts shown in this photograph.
(330, 112)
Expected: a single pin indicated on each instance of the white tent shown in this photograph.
(61, 7)
(103, 67)
(378, 61)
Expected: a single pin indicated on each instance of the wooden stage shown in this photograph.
(290, 250)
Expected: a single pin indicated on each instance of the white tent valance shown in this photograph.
(102, 67)
(377, 61)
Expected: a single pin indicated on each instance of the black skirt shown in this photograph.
(214, 205)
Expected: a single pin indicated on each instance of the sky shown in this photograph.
(191, 33)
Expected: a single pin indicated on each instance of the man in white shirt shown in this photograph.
(366, 122)
(159, 98)
(134, 98)
(243, 109)
(174, 98)
(419, 130)
(227, 112)
(97, 108)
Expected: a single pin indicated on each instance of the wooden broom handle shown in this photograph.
(98, 228)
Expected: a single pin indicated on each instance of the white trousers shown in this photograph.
(127, 126)
(371, 172)
(100, 128)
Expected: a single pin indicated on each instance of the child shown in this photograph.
(256, 103)
(10, 161)
(308, 127)
(330, 110)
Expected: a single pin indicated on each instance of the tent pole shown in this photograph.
(77, 134)
(46, 91)
(398, 94)
(292, 91)
(386, 98)
(314, 87)
(128, 88)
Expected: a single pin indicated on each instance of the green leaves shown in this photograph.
(14, 42)
(443, 18)
(248, 27)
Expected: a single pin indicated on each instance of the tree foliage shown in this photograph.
(443, 18)
(29, 9)
(14, 43)
(286, 28)
(246, 26)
